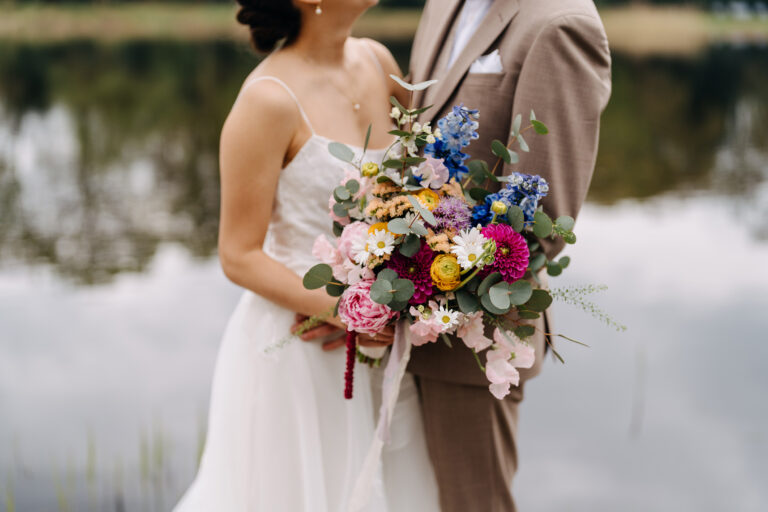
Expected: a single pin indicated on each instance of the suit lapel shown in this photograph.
(497, 19)
(432, 40)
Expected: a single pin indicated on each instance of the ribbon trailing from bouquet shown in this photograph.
(390, 390)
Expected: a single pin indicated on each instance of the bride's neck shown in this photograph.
(322, 38)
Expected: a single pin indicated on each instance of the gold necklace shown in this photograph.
(355, 104)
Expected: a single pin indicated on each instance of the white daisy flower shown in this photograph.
(380, 242)
(469, 247)
(447, 318)
(360, 251)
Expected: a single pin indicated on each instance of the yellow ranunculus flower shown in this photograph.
(498, 208)
(370, 169)
(446, 272)
(429, 199)
(376, 227)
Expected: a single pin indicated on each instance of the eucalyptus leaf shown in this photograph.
(339, 210)
(540, 127)
(387, 274)
(499, 294)
(478, 194)
(414, 160)
(542, 224)
(540, 300)
(538, 261)
(489, 281)
(467, 302)
(516, 125)
(334, 289)
(569, 237)
(353, 186)
(523, 144)
(554, 268)
(428, 217)
(318, 276)
(564, 261)
(392, 164)
(404, 289)
(341, 194)
(337, 228)
(485, 300)
(524, 331)
(528, 315)
(381, 291)
(398, 226)
(341, 151)
(418, 229)
(397, 305)
(520, 292)
(565, 223)
(410, 245)
(513, 157)
(516, 218)
(500, 150)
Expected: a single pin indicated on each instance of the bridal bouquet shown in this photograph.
(420, 238)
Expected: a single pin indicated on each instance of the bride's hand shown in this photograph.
(382, 339)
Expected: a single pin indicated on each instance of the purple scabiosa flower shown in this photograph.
(417, 269)
(511, 258)
(453, 214)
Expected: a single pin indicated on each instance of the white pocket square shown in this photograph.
(490, 63)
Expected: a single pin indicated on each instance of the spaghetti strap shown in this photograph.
(288, 90)
(375, 59)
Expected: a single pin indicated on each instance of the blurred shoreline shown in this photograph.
(637, 30)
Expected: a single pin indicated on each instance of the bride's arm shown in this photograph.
(255, 139)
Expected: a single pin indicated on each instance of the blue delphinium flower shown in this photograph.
(457, 130)
(523, 190)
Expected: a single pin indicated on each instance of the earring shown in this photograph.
(318, 9)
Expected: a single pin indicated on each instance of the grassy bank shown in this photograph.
(637, 30)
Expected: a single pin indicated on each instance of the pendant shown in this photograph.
(356, 107)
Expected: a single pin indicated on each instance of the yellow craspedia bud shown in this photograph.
(370, 169)
(498, 208)
(446, 272)
(428, 199)
(375, 227)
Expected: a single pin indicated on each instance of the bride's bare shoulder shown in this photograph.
(383, 55)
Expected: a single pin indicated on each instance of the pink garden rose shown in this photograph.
(358, 311)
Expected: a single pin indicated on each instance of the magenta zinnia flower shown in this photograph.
(416, 269)
(512, 253)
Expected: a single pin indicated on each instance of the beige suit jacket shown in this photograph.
(555, 60)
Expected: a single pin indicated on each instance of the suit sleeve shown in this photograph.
(566, 80)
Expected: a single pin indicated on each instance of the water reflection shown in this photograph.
(108, 177)
(109, 150)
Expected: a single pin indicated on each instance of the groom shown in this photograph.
(504, 57)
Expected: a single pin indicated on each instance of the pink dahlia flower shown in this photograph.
(358, 311)
(416, 268)
(511, 258)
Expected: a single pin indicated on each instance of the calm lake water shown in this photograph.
(112, 302)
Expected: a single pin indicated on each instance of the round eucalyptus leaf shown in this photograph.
(387, 274)
(381, 291)
(478, 194)
(410, 246)
(337, 228)
(540, 300)
(397, 305)
(569, 237)
(353, 186)
(542, 224)
(499, 294)
(341, 151)
(489, 281)
(398, 226)
(528, 315)
(318, 276)
(499, 149)
(524, 331)
(418, 229)
(538, 261)
(520, 292)
(404, 289)
(341, 194)
(565, 223)
(334, 289)
(516, 218)
(554, 268)
(564, 261)
(467, 302)
(485, 300)
(339, 210)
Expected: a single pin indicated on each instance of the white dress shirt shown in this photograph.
(471, 16)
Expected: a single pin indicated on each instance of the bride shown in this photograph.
(281, 437)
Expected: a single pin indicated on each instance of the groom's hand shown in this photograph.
(320, 331)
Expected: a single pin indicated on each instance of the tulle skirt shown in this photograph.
(281, 437)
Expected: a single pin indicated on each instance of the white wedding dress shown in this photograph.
(281, 436)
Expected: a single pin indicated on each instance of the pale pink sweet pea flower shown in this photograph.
(502, 361)
(472, 332)
(352, 235)
(425, 330)
(433, 173)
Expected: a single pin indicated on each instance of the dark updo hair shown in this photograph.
(270, 21)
